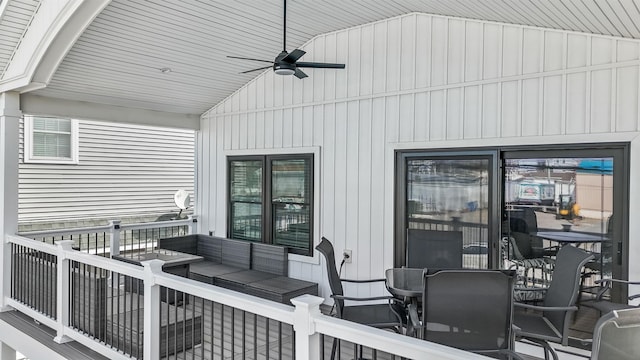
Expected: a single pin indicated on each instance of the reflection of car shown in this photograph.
(475, 249)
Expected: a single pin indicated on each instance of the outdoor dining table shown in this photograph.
(571, 237)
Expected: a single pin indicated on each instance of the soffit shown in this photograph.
(15, 16)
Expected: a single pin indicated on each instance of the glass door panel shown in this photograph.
(545, 196)
(452, 194)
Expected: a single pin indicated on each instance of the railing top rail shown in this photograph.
(33, 244)
(72, 231)
(397, 344)
(98, 261)
(276, 311)
(157, 224)
(118, 266)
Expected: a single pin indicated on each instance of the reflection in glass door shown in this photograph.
(449, 194)
(557, 201)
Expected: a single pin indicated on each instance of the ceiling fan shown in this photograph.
(287, 63)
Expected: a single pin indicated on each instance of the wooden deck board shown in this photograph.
(44, 335)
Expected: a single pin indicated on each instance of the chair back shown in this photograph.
(565, 284)
(469, 309)
(434, 249)
(326, 249)
(616, 336)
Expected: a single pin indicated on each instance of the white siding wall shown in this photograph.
(420, 81)
(123, 170)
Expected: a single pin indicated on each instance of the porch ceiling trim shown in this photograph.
(40, 105)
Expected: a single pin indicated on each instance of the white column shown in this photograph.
(151, 309)
(307, 340)
(62, 291)
(9, 132)
(7, 352)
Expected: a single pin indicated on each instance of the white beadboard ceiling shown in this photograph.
(15, 16)
(117, 60)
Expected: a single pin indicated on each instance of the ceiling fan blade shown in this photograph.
(300, 74)
(294, 56)
(320, 65)
(245, 58)
(261, 68)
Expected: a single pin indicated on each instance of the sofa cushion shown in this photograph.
(236, 253)
(270, 258)
(186, 244)
(209, 270)
(210, 248)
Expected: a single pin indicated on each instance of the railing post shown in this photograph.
(193, 224)
(151, 309)
(62, 290)
(307, 340)
(114, 238)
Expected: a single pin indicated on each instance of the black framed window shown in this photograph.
(271, 200)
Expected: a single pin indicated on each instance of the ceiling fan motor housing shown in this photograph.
(284, 68)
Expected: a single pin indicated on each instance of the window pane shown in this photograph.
(246, 221)
(291, 205)
(290, 181)
(246, 181)
(52, 125)
(51, 145)
(246, 199)
(451, 195)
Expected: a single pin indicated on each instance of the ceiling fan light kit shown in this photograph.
(287, 63)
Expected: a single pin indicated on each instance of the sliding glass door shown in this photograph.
(514, 205)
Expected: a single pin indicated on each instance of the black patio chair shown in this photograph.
(434, 249)
(550, 321)
(470, 310)
(603, 304)
(616, 336)
(389, 315)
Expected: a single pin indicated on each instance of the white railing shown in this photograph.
(304, 318)
(113, 238)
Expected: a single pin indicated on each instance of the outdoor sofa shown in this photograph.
(252, 268)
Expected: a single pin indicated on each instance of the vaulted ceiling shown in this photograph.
(119, 59)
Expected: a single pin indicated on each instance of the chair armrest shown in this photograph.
(610, 280)
(546, 308)
(636, 296)
(530, 288)
(362, 281)
(342, 297)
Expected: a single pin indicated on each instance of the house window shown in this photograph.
(270, 200)
(50, 140)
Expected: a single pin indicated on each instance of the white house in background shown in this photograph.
(84, 173)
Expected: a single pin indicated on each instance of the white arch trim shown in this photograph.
(52, 33)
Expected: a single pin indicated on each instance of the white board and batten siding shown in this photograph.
(416, 82)
(124, 170)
